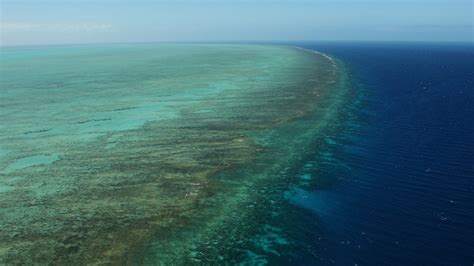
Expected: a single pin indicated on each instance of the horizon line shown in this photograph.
(471, 42)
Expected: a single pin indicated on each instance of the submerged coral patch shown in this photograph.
(176, 154)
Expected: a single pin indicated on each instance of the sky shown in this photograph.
(28, 22)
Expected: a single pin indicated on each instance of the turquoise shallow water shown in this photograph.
(159, 153)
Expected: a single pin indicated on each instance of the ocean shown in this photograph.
(400, 188)
(210, 154)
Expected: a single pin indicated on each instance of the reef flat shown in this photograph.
(145, 153)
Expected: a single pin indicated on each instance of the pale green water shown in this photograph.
(154, 153)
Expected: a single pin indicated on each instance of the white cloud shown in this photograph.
(54, 27)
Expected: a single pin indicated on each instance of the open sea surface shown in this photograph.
(399, 185)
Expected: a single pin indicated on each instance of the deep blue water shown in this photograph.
(402, 189)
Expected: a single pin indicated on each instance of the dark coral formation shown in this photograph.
(199, 186)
